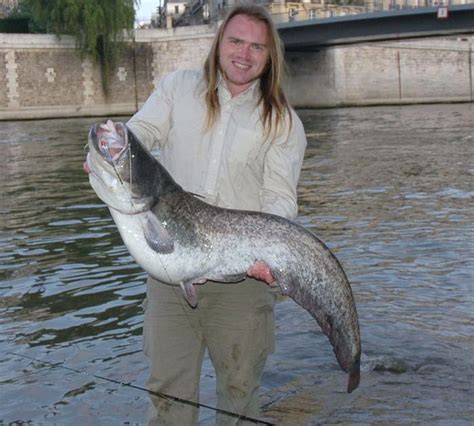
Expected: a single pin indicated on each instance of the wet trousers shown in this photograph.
(233, 322)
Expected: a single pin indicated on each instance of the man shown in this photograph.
(228, 135)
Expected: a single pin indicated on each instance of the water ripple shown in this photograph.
(388, 188)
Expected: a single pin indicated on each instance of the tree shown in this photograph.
(23, 11)
(99, 26)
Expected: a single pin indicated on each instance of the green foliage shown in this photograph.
(23, 11)
(99, 26)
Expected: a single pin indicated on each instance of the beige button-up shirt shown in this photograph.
(231, 165)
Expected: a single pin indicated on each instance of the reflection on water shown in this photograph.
(388, 188)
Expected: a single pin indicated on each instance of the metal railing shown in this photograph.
(320, 9)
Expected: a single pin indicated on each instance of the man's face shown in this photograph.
(243, 52)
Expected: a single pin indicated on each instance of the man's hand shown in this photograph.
(260, 271)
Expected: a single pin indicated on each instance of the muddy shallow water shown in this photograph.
(390, 189)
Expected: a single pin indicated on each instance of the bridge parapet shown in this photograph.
(377, 26)
(308, 11)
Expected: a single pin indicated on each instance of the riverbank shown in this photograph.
(42, 76)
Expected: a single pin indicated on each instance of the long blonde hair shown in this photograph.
(273, 100)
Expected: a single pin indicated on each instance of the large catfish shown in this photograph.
(179, 239)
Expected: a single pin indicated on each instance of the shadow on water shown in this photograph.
(388, 188)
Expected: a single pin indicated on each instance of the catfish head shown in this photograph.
(122, 172)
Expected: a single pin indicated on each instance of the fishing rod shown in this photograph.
(154, 393)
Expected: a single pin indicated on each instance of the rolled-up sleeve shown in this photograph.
(151, 123)
(282, 167)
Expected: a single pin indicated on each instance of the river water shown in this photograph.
(390, 189)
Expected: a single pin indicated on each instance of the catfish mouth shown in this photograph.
(110, 140)
(109, 166)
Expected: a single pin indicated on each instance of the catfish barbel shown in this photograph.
(181, 240)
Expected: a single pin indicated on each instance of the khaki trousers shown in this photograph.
(234, 322)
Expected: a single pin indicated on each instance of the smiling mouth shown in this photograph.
(241, 66)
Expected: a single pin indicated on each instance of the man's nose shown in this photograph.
(245, 51)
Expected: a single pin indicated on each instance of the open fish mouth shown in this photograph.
(110, 140)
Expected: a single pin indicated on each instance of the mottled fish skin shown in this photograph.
(212, 243)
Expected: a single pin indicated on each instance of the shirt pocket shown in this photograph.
(246, 149)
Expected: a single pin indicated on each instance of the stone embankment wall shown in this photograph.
(43, 77)
(404, 72)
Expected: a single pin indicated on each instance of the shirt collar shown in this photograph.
(225, 96)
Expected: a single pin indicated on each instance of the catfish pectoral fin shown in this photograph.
(156, 235)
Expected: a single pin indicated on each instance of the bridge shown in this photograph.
(313, 34)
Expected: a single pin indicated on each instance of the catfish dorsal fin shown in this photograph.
(156, 235)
